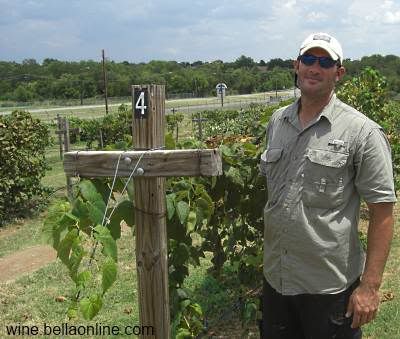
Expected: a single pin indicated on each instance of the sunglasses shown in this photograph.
(324, 62)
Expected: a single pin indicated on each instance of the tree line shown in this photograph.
(55, 79)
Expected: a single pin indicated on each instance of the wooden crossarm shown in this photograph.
(159, 163)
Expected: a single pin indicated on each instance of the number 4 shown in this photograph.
(140, 103)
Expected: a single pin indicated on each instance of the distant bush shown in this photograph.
(368, 93)
(23, 140)
(114, 128)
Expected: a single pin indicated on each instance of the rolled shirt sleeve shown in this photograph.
(374, 168)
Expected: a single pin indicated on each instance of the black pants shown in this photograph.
(306, 316)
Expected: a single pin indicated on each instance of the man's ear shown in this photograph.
(296, 65)
(341, 71)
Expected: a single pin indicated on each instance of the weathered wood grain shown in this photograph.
(150, 221)
(166, 163)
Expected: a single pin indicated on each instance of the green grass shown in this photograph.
(31, 300)
(387, 323)
(21, 234)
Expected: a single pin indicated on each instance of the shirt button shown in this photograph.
(285, 230)
(302, 175)
(294, 157)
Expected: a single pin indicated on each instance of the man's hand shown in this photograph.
(363, 304)
(364, 301)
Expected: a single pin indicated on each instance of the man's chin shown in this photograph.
(308, 88)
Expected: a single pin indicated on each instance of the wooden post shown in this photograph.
(200, 127)
(149, 185)
(199, 121)
(101, 139)
(150, 213)
(67, 149)
(105, 79)
(59, 131)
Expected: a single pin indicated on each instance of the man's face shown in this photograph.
(315, 80)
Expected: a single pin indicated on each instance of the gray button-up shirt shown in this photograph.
(315, 178)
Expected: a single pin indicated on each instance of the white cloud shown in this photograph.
(290, 4)
(316, 16)
(387, 4)
(392, 17)
(375, 12)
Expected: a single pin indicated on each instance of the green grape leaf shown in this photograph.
(125, 211)
(103, 235)
(64, 248)
(226, 151)
(80, 209)
(234, 175)
(77, 253)
(83, 278)
(51, 232)
(94, 201)
(96, 215)
(68, 219)
(196, 308)
(191, 222)
(182, 208)
(170, 200)
(89, 192)
(89, 307)
(109, 274)
(102, 188)
(115, 226)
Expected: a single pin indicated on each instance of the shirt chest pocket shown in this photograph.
(324, 178)
(269, 161)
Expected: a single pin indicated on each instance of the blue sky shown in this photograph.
(190, 30)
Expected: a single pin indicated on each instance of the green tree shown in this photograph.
(66, 87)
(244, 61)
(368, 93)
(24, 92)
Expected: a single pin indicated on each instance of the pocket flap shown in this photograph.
(272, 155)
(327, 158)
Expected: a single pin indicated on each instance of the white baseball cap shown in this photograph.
(324, 41)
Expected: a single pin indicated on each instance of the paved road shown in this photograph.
(227, 105)
(55, 109)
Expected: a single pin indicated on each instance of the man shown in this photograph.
(322, 157)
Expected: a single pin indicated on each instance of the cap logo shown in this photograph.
(322, 37)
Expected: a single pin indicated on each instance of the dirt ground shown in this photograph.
(26, 261)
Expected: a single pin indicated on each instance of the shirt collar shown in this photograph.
(291, 111)
(328, 111)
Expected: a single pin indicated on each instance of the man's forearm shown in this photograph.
(380, 233)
